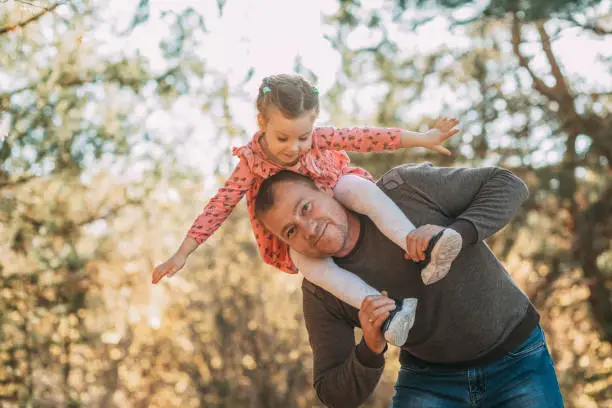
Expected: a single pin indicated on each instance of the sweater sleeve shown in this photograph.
(222, 203)
(484, 199)
(358, 139)
(345, 374)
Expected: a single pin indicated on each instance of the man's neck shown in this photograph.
(352, 234)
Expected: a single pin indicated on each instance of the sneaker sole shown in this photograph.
(442, 256)
(402, 322)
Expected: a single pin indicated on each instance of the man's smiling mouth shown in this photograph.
(320, 234)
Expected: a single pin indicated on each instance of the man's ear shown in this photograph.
(261, 123)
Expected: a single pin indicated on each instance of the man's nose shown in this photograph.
(309, 228)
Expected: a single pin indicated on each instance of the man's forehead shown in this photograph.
(287, 193)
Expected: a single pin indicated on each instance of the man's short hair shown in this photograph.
(265, 196)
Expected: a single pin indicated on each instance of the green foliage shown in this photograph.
(530, 10)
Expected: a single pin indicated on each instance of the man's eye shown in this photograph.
(290, 232)
(303, 139)
(282, 139)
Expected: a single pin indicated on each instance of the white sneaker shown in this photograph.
(446, 247)
(398, 325)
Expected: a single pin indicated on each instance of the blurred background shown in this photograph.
(116, 125)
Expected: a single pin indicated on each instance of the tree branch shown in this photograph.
(67, 226)
(13, 27)
(108, 214)
(16, 182)
(561, 84)
(538, 84)
(16, 91)
(593, 27)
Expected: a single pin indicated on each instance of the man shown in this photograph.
(476, 339)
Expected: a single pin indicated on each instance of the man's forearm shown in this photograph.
(487, 198)
(467, 230)
(352, 382)
(495, 204)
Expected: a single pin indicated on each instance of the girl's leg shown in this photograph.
(341, 283)
(349, 288)
(364, 197)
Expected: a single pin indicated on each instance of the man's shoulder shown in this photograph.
(308, 286)
(318, 299)
(404, 173)
(312, 291)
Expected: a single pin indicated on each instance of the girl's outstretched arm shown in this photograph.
(385, 139)
(214, 214)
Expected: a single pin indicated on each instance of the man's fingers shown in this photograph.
(426, 234)
(380, 314)
(370, 303)
(419, 246)
(371, 313)
(418, 253)
(417, 242)
(423, 243)
(380, 310)
(412, 246)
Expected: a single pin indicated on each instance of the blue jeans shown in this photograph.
(523, 378)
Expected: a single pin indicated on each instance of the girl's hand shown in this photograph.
(170, 267)
(443, 130)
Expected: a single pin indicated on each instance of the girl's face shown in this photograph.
(285, 140)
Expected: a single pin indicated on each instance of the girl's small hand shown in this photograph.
(170, 267)
(443, 130)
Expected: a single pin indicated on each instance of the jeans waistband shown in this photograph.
(517, 337)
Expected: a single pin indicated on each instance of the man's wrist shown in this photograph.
(369, 358)
(467, 230)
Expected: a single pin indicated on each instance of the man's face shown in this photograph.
(308, 220)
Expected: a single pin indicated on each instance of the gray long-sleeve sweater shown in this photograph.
(464, 317)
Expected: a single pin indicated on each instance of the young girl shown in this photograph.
(287, 108)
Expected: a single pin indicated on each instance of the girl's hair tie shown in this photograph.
(266, 89)
(315, 90)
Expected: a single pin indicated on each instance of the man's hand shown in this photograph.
(170, 267)
(373, 313)
(442, 130)
(417, 241)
